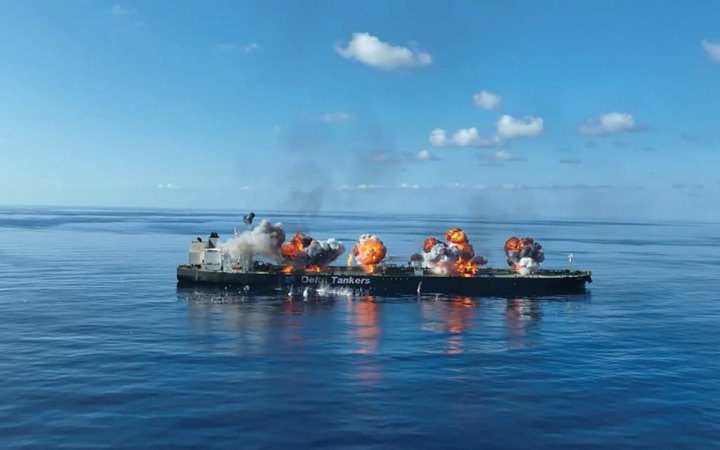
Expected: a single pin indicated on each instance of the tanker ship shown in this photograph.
(259, 260)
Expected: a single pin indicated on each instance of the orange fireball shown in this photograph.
(456, 236)
(369, 251)
(291, 249)
(429, 244)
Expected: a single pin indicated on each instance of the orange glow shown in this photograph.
(467, 264)
(290, 269)
(291, 249)
(429, 244)
(456, 236)
(369, 252)
(514, 244)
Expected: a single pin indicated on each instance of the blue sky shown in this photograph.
(517, 109)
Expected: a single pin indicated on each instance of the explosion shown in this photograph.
(456, 257)
(523, 255)
(306, 253)
(368, 252)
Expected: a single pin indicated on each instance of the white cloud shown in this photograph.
(487, 100)
(712, 49)
(118, 10)
(464, 137)
(169, 186)
(370, 50)
(409, 186)
(336, 117)
(501, 156)
(438, 138)
(609, 123)
(423, 155)
(251, 47)
(508, 127)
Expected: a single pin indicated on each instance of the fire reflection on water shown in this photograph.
(452, 317)
(365, 319)
(520, 316)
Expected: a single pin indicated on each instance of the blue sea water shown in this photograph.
(99, 349)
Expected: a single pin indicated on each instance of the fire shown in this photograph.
(429, 244)
(456, 236)
(290, 249)
(290, 269)
(524, 255)
(455, 257)
(369, 252)
(514, 244)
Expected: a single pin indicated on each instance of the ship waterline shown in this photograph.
(396, 280)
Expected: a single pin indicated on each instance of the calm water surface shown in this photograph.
(99, 349)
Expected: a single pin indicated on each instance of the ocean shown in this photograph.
(100, 349)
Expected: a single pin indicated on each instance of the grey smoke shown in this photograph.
(320, 253)
(264, 240)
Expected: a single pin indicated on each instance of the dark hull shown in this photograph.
(487, 283)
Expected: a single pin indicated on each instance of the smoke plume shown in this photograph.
(305, 251)
(264, 240)
(455, 257)
(524, 255)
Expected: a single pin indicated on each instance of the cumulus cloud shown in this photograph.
(118, 11)
(610, 123)
(423, 155)
(506, 128)
(464, 137)
(169, 186)
(487, 100)
(509, 127)
(712, 49)
(336, 117)
(370, 50)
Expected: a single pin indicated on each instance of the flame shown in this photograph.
(429, 244)
(349, 259)
(291, 249)
(456, 236)
(290, 269)
(516, 249)
(369, 251)
(514, 244)
(466, 265)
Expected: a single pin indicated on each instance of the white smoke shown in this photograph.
(441, 257)
(264, 240)
(526, 266)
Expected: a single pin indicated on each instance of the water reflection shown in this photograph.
(521, 315)
(366, 329)
(452, 325)
(451, 317)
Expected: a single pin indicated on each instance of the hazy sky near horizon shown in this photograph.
(510, 108)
